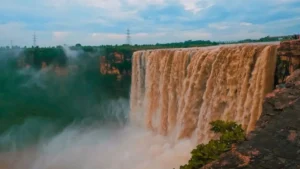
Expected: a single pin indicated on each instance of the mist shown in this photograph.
(36, 103)
(92, 146)
(78, 121)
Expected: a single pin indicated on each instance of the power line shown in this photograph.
(128, 37)
(34, 39)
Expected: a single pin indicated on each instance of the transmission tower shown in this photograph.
(128, 37)
(34, 40)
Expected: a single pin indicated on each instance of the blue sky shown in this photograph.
(96, 22)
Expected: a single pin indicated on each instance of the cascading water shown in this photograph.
(179, 92)
(175, 93)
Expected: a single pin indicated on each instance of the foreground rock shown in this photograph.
(275, 144)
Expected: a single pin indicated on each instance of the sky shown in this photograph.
(98, 22)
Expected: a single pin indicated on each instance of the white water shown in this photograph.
(104, 148)
(94, 146)
(111, 147)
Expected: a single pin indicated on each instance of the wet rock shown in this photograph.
(275, 143)
(288, 60)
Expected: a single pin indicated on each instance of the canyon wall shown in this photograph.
(288, 59)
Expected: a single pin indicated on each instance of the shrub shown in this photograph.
(231, 133)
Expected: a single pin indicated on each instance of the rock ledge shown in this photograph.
(275, 143)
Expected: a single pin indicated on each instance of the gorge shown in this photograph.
(175, 94)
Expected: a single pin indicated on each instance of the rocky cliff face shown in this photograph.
(288, 59)
(290, 48)
(275, 144)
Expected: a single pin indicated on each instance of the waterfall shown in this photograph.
(175, 93)
(179, 92)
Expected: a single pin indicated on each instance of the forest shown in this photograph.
(35, 56)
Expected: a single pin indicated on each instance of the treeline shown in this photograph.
(126, 49)
(108, 51)
(185, 44)
(35, 56)
(264, 39)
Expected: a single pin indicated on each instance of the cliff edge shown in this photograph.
(275, 143)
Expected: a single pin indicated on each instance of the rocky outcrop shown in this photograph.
(288, 59)
(275, 143)
(289, 48)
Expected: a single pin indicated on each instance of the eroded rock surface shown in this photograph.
(288, 59)
(275, 143)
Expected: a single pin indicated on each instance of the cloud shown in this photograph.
(104, 36)
(108, 4)
(219, 26)
(96, 22)
(15, 32)
(60, 35)
(196, 6)
(245, 24)
(144, 4)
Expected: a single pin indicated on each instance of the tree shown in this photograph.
(231, 133)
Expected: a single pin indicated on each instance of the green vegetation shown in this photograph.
(39, 104)
(56, 55)
(264, 39)
(231, 133)
(50, 55)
